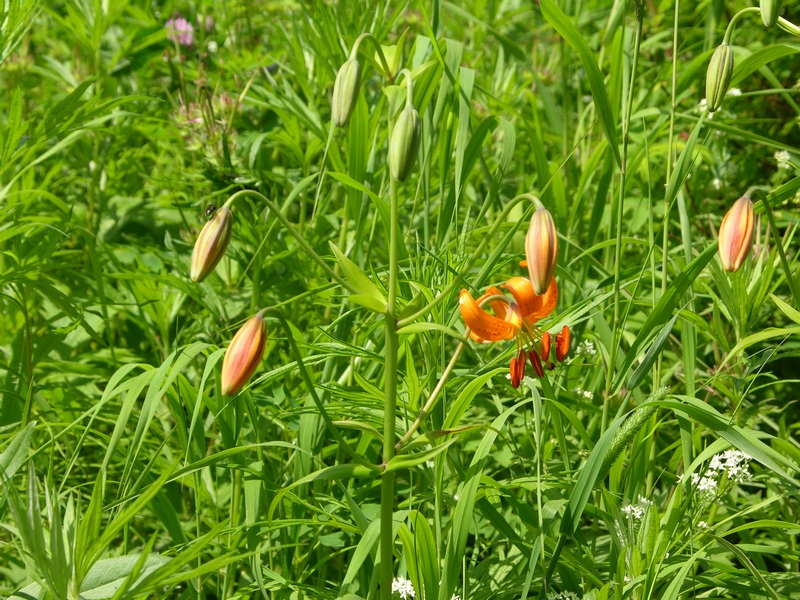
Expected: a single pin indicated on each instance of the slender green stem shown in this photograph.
(275, 209)
(390, 393)
(426, 409)
(433, 397)
(626, 121)
(781, 252)
(378, 49)
(670, 154)
(729, 31)
(445, 293)
(304, 375)
(788, 26)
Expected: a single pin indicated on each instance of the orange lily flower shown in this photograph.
(515, 318)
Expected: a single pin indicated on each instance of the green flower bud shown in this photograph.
(345, 92)
(770, 11)
(211, 244)
(718, 77)
(405, 144)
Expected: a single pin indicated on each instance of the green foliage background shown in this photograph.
(122, 453)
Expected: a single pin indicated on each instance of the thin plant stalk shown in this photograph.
(275, 209)
(390, 392)
(626, 121)
(670, 154)
(779, 243)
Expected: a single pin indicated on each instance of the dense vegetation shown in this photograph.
(657, 458)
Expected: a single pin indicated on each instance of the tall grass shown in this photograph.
(378, 445)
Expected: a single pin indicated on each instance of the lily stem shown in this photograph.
(732, 23)
(390, 395)
(445, 293)
(275, 209)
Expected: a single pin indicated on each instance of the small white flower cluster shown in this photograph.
(636, 511)
(455, 597)
(562, 596)
(586, 348)
(403, 587)
(585, 394)
(783, 158)
(734, 92)
(702, 525)
(717, 183)
(705, 486)
(733, 462)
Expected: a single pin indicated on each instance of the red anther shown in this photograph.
(562, 344)
(513, 371)
(521, 363)
(550, 365)
(536, 363)
(546, 346)
(517, 368)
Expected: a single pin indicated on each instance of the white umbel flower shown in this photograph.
(403, 587)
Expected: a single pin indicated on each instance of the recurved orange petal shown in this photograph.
(527, 300)
(549, 301)
(486, 327)
(498, 306)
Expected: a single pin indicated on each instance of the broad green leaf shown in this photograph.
(15, 453)
(103, 579)
(759, 58)
(369, 296)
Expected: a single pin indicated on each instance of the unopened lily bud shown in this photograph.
(243, 355)
(736, 234)
(541, 250)
(345, 92)
(211, 244)
(405, 144)
(718, 77)
(770, 11)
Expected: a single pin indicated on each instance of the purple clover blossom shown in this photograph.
(180, 30)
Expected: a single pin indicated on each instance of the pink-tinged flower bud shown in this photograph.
(211, 244)
(541, 250)
(736, 234)
(243, 355)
